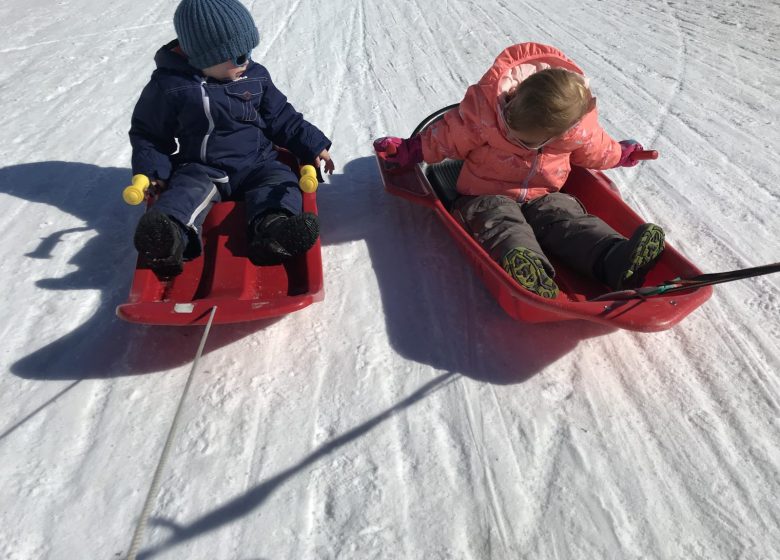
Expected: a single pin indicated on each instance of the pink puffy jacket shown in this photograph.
(474, 132)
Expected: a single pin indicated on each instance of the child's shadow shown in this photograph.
(103, 346)
(436, 309)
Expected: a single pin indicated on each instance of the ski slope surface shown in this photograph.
(405, 416)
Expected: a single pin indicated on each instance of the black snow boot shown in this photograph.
(276, 237)
(160, 244)
(627, 262)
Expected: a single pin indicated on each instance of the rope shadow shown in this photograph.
(19, 423)
(254, 498)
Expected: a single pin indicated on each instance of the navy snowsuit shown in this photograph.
(213, 140)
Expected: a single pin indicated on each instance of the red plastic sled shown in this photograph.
(224, 277)
(433, 186)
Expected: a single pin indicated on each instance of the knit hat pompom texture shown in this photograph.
(214, 31)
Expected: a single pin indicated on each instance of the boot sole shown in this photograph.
(159, 245)
(292, 238)
(299, 233)
(649, 246)
(528, 270)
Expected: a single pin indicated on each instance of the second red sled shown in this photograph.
(433, 186)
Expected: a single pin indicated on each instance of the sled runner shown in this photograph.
(433, 186)
(224, 277)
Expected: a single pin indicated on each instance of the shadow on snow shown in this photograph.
(436, 310)
(103, 346)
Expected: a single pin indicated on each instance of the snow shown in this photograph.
(405, 416)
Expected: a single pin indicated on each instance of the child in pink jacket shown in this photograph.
(518, 131)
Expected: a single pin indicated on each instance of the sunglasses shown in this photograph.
(241, 59)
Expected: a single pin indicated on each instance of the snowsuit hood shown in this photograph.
(476, 133)
(172, 58)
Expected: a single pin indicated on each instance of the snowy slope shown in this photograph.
(405, 416)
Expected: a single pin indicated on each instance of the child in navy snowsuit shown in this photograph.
(204, 129)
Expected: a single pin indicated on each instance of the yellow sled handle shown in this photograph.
(308, 181)
(135, 193)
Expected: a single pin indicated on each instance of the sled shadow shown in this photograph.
(436, 309)
(103, 346)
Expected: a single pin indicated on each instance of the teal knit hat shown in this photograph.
(213, 31)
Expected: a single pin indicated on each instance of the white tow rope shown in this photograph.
(139, 529)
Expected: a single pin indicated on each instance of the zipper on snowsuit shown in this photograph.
(531, 173)
(207, 109)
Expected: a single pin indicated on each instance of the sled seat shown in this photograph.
(443, 177)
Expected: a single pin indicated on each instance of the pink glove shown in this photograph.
(627, 149)
(398, 154)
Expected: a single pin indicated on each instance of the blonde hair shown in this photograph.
(550, 100)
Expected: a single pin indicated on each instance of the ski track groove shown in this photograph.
(658, 452)
(666, 110)
(495, 514)
(498, 509)
(311, 487)
(547, 473)
(651, 450)
(749, 358)
(508, 39)
(256, 464)
(498, 514)
(372, 78)
(595, 398)
(433, 39)
(507, 431)
(690, 32)
(368, 75)
(338, 87)
(281, 27)
(404, 456)
(80, 36)
(99, 406)
(619, 73)
(665, 105)
(679, 79)
(381, 96)
(511, 445)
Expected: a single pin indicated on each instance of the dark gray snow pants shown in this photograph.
(555, 224)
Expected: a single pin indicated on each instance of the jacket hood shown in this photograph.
(515, 64)
(521, 61)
